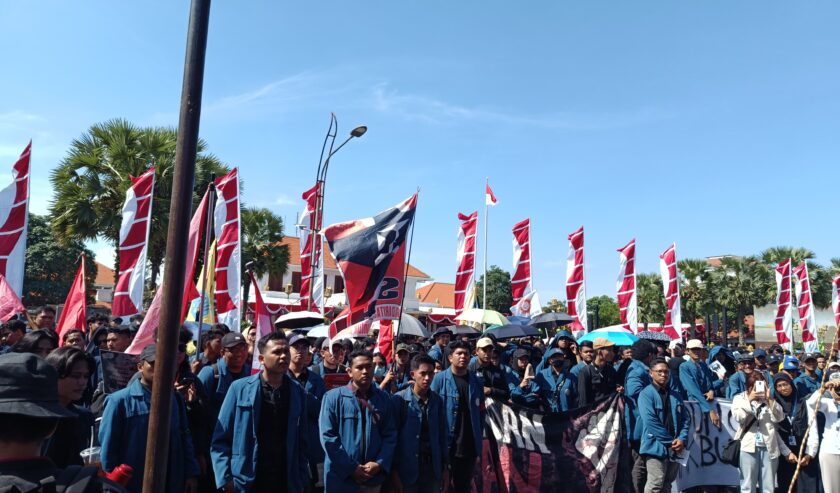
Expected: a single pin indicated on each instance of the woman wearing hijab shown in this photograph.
(791, 431)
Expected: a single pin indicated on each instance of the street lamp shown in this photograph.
(321, 181)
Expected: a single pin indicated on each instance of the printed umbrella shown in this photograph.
(512, 331)
(653, 336)
(618, 336)
(481, 316)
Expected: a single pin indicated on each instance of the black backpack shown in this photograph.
(73, 479)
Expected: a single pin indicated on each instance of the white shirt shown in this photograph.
(831, 435)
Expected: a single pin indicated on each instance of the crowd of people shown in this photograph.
(335, 416)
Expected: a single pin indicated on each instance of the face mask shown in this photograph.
(558, 363)
(380, 371)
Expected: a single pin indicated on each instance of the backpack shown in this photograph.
(73, 479)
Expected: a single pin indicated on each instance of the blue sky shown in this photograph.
(698, 123)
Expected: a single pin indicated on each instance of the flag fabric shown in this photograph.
(349, 318)
(10, 304)
(262, 320)
(489, 196)
(146, 332)
(465, 275)
(526, 302)
(207, 286)
(14, 222)
(835, 302)
(385, 340)
(576, 285)
(227, 225)
(671, 289)
(134, 238)
(74, 314)
(308, 244)
(784, 317)
(626, 287)
(370, 253)
(805, 306)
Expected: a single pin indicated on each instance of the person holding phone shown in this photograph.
(757, 411)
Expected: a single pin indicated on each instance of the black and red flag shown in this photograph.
(370, 253)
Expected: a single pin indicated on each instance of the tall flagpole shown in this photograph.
(486, 220)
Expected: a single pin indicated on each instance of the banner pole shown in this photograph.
(405, 276)
(486, 220)
(208, 232)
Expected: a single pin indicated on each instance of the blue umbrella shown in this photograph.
(619, 337)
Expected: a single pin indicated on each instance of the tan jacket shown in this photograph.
(770, 414)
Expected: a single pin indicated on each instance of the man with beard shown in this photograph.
(599, 380)
(260, 440)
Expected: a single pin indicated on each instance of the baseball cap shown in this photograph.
(759, 353)
(484, 342)
(834, 364)
(297, 338)
(403, 347)
(602, 342)
(29, 387)
(148, 353)
(790, 363)
(232, 339)
(694, 344)
(551, 352)
(746, 357)
(808, 356)
(564, 334)
(521, 353)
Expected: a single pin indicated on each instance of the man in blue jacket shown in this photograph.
(637, 379)
(698, 381)
(808, 381)
(260, 440)
(358, 431)
(123, 432)
(738, 381)
(315, 389)
(421, 462)
(438, 351)
(556, 387)
(215, 379)
(665, 423)
(462, 399)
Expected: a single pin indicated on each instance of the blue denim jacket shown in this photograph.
(697, 379)
(558, 392)
(656, 441)
(235, 441)
(444, 386)
(347, 446)
(315, 389)
(637, 378)
(409, 417)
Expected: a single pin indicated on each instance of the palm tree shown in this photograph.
(740, 283)
(649, 298)
(91, 181)
(835, 266)
(694, 289)
(262, 230)
(774, 255)
(819, 276)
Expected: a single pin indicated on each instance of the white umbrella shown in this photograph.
(319, 331)
(480, 316)
(409, 325)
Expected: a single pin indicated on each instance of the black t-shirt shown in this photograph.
(271, 436)
(464, 446)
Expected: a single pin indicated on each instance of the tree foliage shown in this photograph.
(649, 299)
(554, 305)
(51, 267)
(261, 231)
(607, 309)
(91, 181)
(499, 297)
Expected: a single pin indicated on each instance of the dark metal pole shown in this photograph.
(180, 208)
(208, 234)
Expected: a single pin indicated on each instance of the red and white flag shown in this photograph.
(784, 317)
(226, 223)
(465, 275)
(805, 305)
(671, 288)
(10, 304)
(626, 287)
(489, 197)
(526, 302)
(835, 301)
(14, 221)
(308, 242)
(146, 332)
(385, 340)
(74, 313)
(134, 237)
(576, 284)
(262, 318)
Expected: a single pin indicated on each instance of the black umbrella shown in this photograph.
(512, 331)
(551, 319)
(463, 330)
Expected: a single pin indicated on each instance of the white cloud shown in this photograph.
(284, 200)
